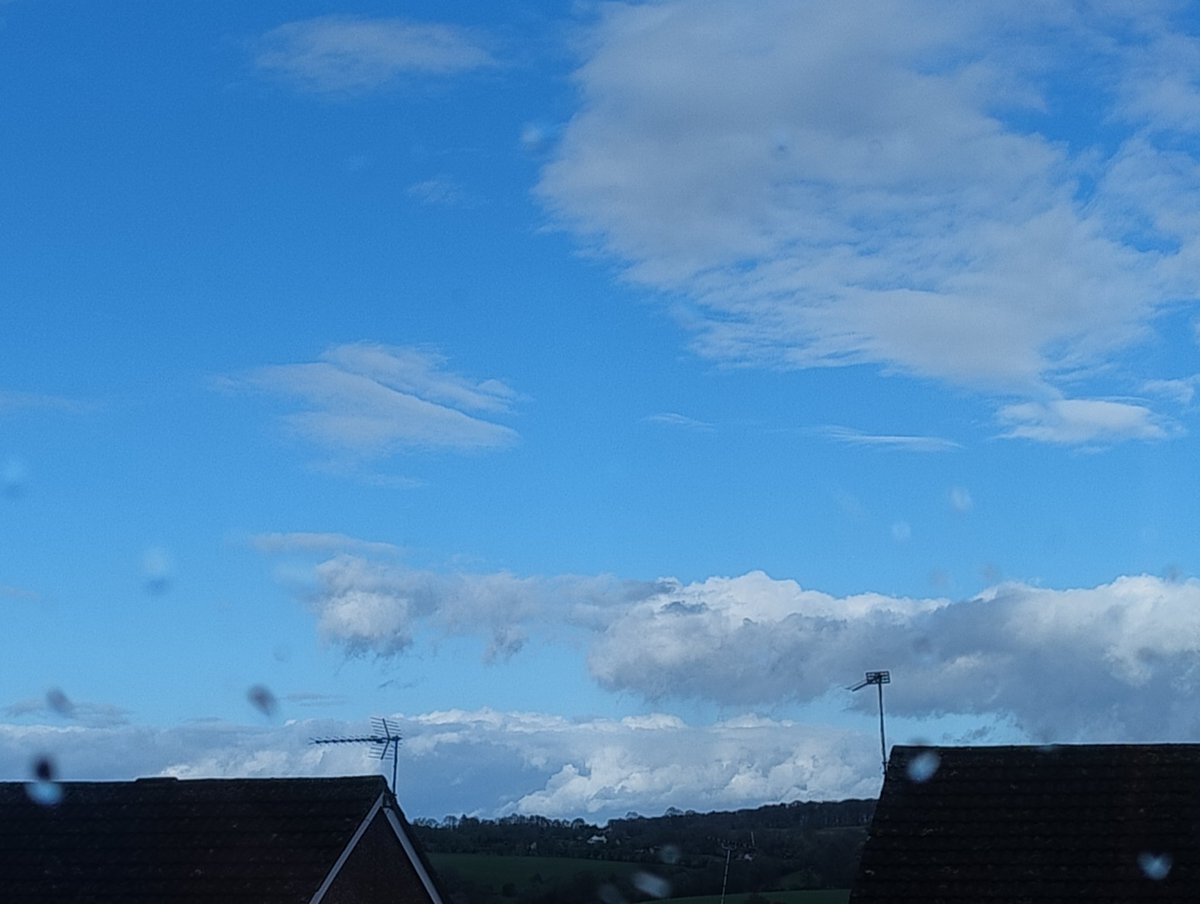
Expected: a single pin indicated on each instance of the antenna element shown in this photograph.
(879, 679)
(385, 741)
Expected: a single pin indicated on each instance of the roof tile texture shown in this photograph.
(1098, 823)
(271, 841)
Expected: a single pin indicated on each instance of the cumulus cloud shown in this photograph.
(336, 54)
(375, 607)
(1116, 661)
(842, 184)
(488, 763)
(372, 400)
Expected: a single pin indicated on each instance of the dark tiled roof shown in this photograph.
(1097, 823)
(264, 840)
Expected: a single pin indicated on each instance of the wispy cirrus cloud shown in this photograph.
(316, 542)
(682, 421)
(827, 186)
(12, 400)
(354, 54)
(851, 437)
(1083, 422)
(371, 400)
(441, 191)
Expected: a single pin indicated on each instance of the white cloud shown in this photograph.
(354, 54)
(852, 437)
(1112, 662)
(673, 419)
(12, 400)
(373, 607)
(309, 542)
(834, 184)
(1082, 421)
(441, 192)
(373, 400)
(1181, 391)
(7, 591)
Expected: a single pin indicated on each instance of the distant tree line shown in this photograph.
(804, 844)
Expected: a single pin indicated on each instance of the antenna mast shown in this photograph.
(385, 741)
(879, 679)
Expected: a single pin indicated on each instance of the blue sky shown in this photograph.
(595, 389)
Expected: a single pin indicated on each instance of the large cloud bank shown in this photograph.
(1116, 661)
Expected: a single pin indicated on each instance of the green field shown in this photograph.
(820, 896)
(486, 869)
(529, 874)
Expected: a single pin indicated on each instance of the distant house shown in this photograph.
(268, 841)
(1097, 823)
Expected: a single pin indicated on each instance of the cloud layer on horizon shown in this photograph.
(488, 763)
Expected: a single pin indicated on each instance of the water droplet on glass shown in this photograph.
(1154, 866)
(12, 479)
(923, 650)
(156, 571)
(960, 500)
(923, 766)
(670, 854)
(652, 885)
(44, 790)
(535, 137)
(262, 699)
(59, 702)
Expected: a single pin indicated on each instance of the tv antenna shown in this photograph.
(385, 742)
(879, 679)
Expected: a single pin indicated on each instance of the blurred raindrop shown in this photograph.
(1154, 866)
(43, 789)
(156, 571)
(536, 137)
(923, 766)
(12, 479)
(922, 649)
(262, 699)
(901, 532)
(610, 895)
(59, 702)
(282, 652)
(960, 500)
(652, 885)
(670, 854)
